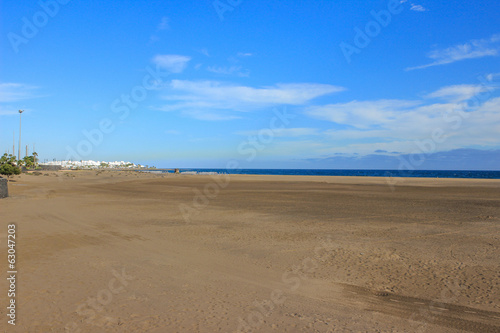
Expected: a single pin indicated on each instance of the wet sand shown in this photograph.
(135, 252)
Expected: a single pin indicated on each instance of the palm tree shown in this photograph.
(29, 161)
(35, 158)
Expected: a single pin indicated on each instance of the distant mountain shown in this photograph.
(458, 159)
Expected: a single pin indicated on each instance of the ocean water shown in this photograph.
(365, 173)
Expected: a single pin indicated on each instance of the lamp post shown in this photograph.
(19, 147)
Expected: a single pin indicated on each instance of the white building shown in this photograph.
(93, 164)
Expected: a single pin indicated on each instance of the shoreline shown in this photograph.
(431, 174)
(371, 180)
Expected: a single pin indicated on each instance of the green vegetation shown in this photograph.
(29, 162)
(8, 165)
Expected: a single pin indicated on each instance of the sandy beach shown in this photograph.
(118, 251)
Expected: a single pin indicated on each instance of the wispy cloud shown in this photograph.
(396, 125)
(492, 76)
(13, 92)
(171, 62)
(231, 70)
(204, 51)
(164, 24)
(7, 111)
(361, 114)
(234, 67)
(285, 132)
(417, 8)
(474, 49)
(459, 93)
(208, 115)
(218, 98)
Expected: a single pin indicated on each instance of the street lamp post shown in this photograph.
(19, 148)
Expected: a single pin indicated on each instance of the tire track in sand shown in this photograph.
(423, 310)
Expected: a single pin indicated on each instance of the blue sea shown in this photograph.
(362, 173)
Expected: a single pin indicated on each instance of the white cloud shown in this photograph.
(244, 54)
(402, 126)
(399, 125)
(474, 49)
(492, 76)
(164, 24)
(363, 114)
(212, 97)
(207, 115)
(417, 8)
(13, 92)
(414, 7)
(171, 62)
(204, 51)
(458, 93)
(284, 132)
(7, 111)
(232, 70)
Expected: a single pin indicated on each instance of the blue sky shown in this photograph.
(269, 84)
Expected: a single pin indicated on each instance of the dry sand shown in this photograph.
(129, 252)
